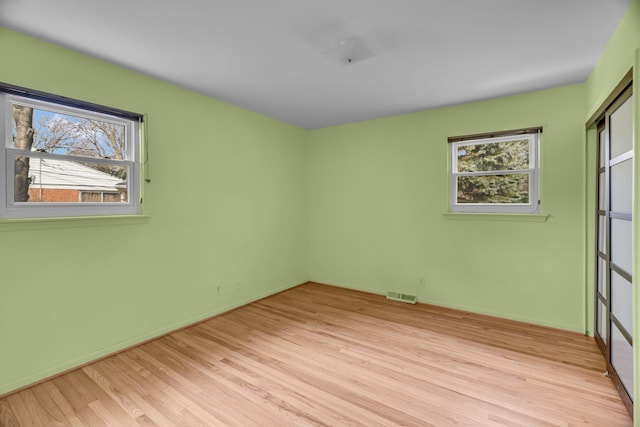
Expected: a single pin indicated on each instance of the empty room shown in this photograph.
(296, 213)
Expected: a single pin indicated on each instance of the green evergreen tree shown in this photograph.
(498, 188)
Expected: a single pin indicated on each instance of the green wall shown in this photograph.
(378, 197)
(227, 205)
(617, 58)
(621, 54)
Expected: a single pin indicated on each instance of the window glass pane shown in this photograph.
(65, 134)
(621, 124)
(622, 358)
(621, 180)
(493, 189)
(621, 301)
(621, 243)
(601, 323)
(494, 156)
(60, 181)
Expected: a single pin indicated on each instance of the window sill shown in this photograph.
(21, 224)
(468, 216)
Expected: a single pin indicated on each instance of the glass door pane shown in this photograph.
(620, 298)
(602, 234)
(621, 129)
(621, 243)
(622, 358)
(601, 321)
(621, 182)
(602, 278)
(601, 191)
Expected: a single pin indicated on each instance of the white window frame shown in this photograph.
(10, 209)
(532, 171)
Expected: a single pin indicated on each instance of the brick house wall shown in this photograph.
(52, 195)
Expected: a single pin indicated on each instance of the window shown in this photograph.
(495, 172)
(62, 157)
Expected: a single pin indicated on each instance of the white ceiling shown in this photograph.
(266, 56)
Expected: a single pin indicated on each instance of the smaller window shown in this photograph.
(495, 172)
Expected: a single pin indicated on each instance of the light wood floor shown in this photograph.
(318, 355)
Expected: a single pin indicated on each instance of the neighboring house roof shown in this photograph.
(58, 174)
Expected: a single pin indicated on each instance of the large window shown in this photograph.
(62, 157)
(495, 172)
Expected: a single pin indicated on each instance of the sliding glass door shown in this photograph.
(614, 283)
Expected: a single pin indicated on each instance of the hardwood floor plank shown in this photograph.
(134, 386)
(43, 409)
(318, 355)
(110, 418)
(74, 392)
(22, 414)
(47, 403)
(126, 408)
(8, 418)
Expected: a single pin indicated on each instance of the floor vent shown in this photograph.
(399, 296)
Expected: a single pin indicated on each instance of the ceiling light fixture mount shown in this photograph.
(349, 52)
